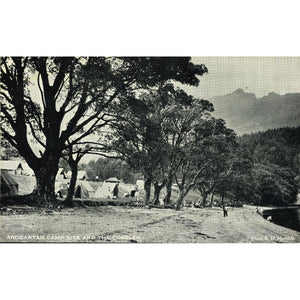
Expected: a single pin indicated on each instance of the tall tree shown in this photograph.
(203, 154)
(235, 179)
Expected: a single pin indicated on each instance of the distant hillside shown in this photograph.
(245, 113)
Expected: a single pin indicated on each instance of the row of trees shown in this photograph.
(51, 107)
(178, 141)
(171, 137)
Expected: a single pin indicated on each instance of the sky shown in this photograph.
(259, 75)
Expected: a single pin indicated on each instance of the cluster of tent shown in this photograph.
(82, 190)
(109, 189)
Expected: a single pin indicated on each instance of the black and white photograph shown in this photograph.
(150, 149)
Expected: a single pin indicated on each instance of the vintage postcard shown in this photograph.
(150, 149)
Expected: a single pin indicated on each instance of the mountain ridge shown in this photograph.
(246, 113)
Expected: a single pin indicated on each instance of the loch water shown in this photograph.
(287, 217)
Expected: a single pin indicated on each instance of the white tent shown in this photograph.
(12, 166)
(140, 184)
(27, 170)
(84, 190)
(61, 174)
(8, 185)
(82, 175)
(127, 188)
(107, 190)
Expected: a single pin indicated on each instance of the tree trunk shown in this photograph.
(155, 200)
(233, 200)
(180, 198)
(157, 189)
(45, 183)
(212, 198)
(147, 188)
(167, 199)
(71, 189)
(182, 193)
(204, 198)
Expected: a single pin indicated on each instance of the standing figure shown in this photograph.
(225, 211)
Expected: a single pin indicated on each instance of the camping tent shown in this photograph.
(127, 188)
(61, 174)
(12, 166)
(107, 190)
(27, 170)
(82, 175)
(140, 184)
(83, 190)
(8, 185)
(61, 189)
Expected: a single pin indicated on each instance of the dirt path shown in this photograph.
(123, 224)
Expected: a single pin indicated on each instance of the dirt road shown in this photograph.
(127, 224)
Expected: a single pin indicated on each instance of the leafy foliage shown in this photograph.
(109, 167)
(275, 153)
(277, 146)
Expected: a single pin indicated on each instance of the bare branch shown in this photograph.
(93, 128)
(35, 115)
